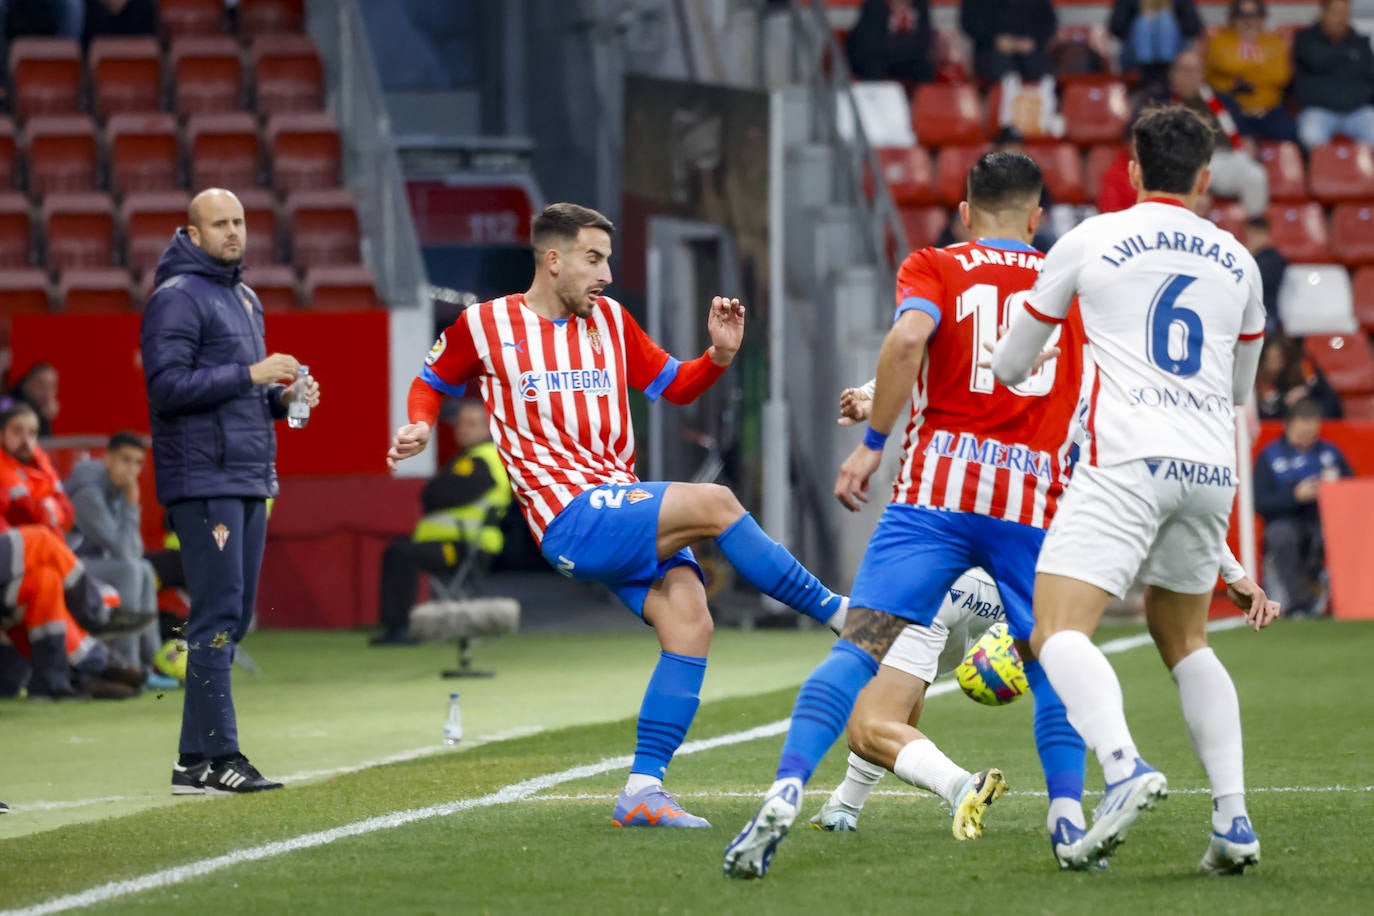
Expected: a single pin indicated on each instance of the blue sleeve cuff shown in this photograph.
(662, 380)
(921, 305)
(432, 379)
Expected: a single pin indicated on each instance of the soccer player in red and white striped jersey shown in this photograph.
(554, 366)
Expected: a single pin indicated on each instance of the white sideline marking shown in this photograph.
(914, 793)
(519, 791)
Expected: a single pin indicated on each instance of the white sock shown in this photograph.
(925, 766)
(638, 782)
(1011, 88)
(1211, 710)
(1087, 684)
(836, 621)
(858, 783)
(1070, 809)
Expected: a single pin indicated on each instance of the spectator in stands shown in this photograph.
(1335, 79)
(1116, 192)
(1235, 170)
(38, 389)
(1252, 66)
(463, 506)
(120, 17)
(1010, 45)
(30, 491)
(1272, 266)
(1288, 474)
(891, 41)
(1152, 32)
(1287, 377)
(63, 18)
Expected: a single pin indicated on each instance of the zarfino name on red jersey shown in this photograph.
(556, 393)
(973, 445)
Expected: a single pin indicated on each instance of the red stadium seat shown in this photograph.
(46, 74)
(149, 220)
(1099, 159)
(8, 154)
(1358, 407)
(275, 285)
(324, 228)
(1352, 233)
(951, 170)
(305, 149)
(1299, 232)
(223, 150)
(287, 73)
(1287, 175)
(207, 74)
(942, 115)
(144, 152)
(1362, 292)
(23, 292)
(125, 74)
(1094, 113)
(1341, 171)
(264, 228)
(79, 230)
(1344, 359)
(190, 17)
(258, 16)
(909, 175)
(16, 238)
(342, 288)
(1063, 170)
(923, 226)
(62, 153)
(1231, 216)
(102, 289)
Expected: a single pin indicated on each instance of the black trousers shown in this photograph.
(1296, 552)
(402, 562)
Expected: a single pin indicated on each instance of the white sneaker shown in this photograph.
(1230, 853)
(978, 793)
(1121, 804)
(750, 853)
(837, 816)
(1069, 851)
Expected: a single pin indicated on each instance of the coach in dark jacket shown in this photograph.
(213, 393)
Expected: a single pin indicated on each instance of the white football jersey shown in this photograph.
(1165, 295)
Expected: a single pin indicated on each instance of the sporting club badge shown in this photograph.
(437, 350)
(637, 495)
(594, 338)
(221, 535)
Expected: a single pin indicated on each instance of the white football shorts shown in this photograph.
(971, 606)
(1163, 519)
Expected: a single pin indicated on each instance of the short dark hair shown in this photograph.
(1237, 4)
(1305, 409)
(13, 407)
(1172, 144)
(1003, 179)
(125, 439)
(562, 221)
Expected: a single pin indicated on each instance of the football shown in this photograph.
(171, 659)
(991, 673)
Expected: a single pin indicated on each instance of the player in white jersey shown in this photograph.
(1172, 309)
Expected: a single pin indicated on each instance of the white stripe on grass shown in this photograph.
(919, 795)
(520, 791)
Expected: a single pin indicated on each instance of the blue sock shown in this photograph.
(770, 568)
(823, 707)
(670, 703)
(1063, 754)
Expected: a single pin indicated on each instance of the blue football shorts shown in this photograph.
(610, 535)
(917, 553)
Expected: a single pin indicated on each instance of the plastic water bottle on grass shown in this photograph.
(453, 725)
(298, 411)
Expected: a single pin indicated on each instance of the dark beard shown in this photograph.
(227, 262)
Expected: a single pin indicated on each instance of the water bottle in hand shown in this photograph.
(298, 411)
(453, 725)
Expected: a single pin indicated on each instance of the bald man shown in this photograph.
(213, 394)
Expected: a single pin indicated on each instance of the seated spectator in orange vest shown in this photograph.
(1335, 79)
(38, 388)
(30, 492)
(891, 41)
(1252, 66)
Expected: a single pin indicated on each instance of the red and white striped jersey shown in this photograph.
(556, 394)
(973, 445)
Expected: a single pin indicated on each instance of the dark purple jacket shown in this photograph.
(212, 427)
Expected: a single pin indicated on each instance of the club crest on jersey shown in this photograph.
(437, 350)
(594, 338)
(638, 496)
(221, 535)
(595, 382)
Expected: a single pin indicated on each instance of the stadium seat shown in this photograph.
(1345, 360)
(190, 17)
(884, 112)
(324, 228)
(125, 74)
(1094, 113)
(79, 229)
(264, 228)
(951, 170)
(1299, 231)
(46, 75)
(1362, 294)
(305, 151)
(341, 288)
(223, 150)
(144, 153)
(1025, 113)
(102, 289)
(275, 285)
(16, 238)
(62, 153)
(259, 16)
(1096, 163)
(1063, 170)
(207, 74)
(23, 291)
(1231, 216)
(287, 74)
(149, 219)
(923, 227)
(1287, 175)
(909, 175)
(1316, 299)
(1341, 171)
(1352, 233)
(1358, 407)
(944, 115)
(9, 150)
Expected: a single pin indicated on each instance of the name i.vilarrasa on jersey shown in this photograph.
(1133, 245)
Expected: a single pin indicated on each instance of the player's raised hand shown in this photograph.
(410, 439)
(851, 487)
(725, 324)
(1260, 610)
(855, 405)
